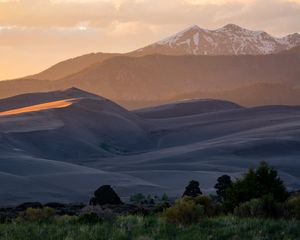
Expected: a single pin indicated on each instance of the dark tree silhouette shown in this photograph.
(256, 184)
(105, 195)
(192, 190)
(223, 183)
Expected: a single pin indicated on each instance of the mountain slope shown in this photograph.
(228, 40)
(134, 81)
(161, 77)
(71, 66)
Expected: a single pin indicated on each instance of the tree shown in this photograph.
(223, 183)
(138, 198)
(165, 198)
(105, 195)
(256, 184)
(192, 190)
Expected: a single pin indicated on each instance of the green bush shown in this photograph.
(161, 207)
(210, 207)
(265, 207)
(184, 212)
(93, 214)
(252, 208)
(293, 206)
(89, 218)
(255, 184)
(66, 219)
(37, 215)
(138, 198)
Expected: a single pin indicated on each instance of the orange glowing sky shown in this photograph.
(35, 34)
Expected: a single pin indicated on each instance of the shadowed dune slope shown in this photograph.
(186, 107)
(63, 154)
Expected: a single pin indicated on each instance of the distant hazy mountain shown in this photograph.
(71, 66)
(60, 146)
(158, 78)
(252, 95)
(228, 40)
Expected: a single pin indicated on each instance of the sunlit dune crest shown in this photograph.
(40, 107)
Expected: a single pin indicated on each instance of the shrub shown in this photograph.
(293, 206)
(22, 207)
(89, 218)
(161, 207)
(92, 214)
(138, 198)
(184, 212)
(265, 207)
(255, 184)
(252, 208)
(210, 207)
(66, 219)
(165, 198)
(37, 215)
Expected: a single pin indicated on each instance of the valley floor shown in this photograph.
(147, 228)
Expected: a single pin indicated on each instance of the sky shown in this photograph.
(35, 34)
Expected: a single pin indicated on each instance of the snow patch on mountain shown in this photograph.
(228, 40)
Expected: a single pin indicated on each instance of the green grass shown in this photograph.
(148, 228)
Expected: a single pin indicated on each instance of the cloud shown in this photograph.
(60, 29)
(105, 13)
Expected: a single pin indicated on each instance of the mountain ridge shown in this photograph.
(162, 77)
(230, 39)
(233, 39)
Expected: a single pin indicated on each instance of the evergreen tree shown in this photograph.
(192, 190)
(105, 195)
(223, 183)
(256, 184)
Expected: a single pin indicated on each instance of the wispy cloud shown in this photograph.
(64, 28)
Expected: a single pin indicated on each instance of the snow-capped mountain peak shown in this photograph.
(230, 39)
(232, 27)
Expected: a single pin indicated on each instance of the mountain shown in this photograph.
(159, 77)
(134, 81)
(62, 145)
(228, 40)
(251, 95)
(71, 66)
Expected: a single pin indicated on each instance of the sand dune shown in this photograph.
(63, 154)
(39, 107)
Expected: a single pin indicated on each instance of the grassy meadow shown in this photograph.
(152, 227)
